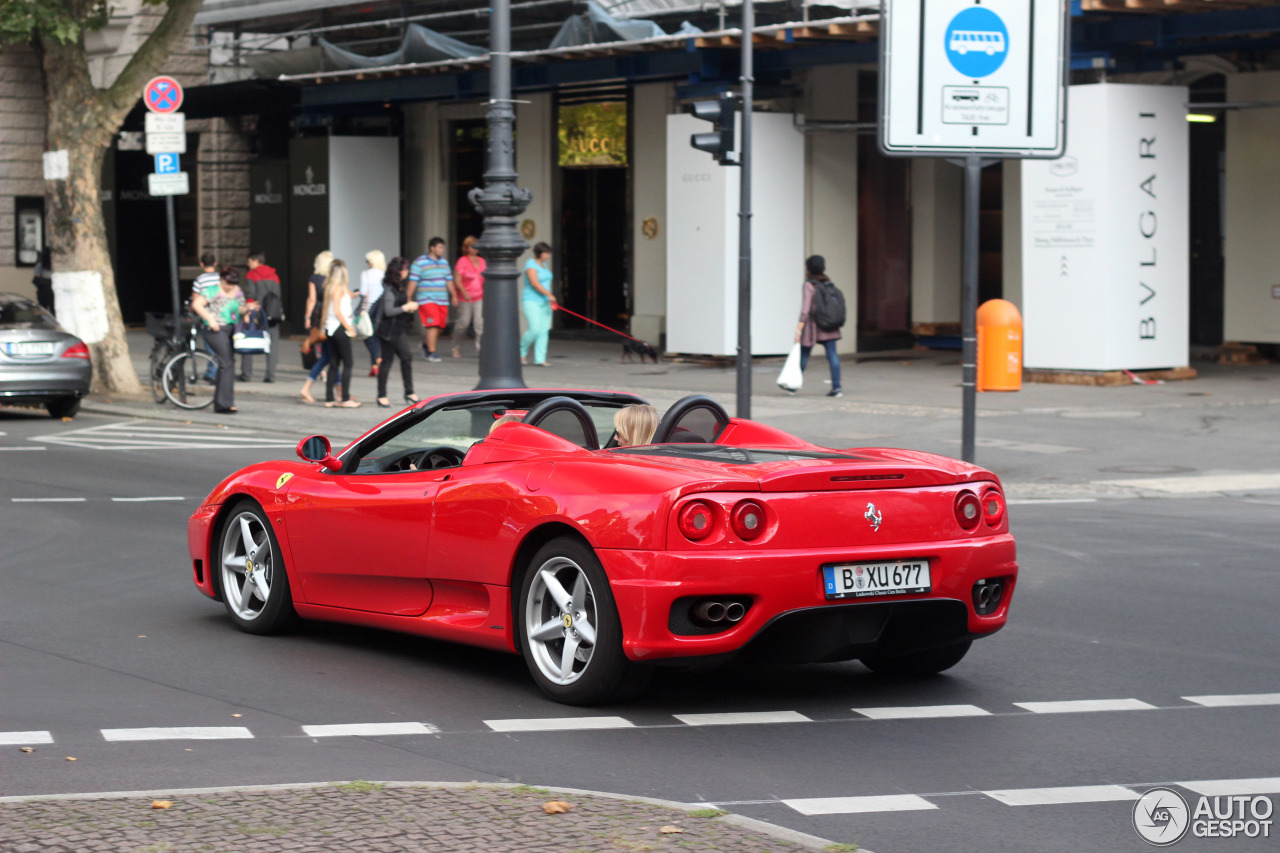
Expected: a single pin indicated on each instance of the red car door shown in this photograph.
(359, 541)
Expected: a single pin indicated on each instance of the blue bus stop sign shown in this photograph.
(977, 42)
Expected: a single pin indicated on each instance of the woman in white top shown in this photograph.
(339, 326)
(370, 293)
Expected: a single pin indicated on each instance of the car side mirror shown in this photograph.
(316, 448)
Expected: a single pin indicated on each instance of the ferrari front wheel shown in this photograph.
(255, 587)
(569, 630)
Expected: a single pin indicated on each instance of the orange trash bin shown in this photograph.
(999, 346)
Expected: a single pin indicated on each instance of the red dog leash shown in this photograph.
(560, 307)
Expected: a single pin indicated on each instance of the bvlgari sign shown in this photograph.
(1104, 244)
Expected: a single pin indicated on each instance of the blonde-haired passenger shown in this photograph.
(505, 419)
(370, 292)
(635, 425)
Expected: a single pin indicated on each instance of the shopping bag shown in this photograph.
(251, 335)
(791, 379)
(364, 326)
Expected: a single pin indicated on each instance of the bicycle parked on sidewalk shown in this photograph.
(178, 362)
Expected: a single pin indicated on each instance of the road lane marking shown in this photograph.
(1077, 706)
(1033, 501)
(1235, 700)
(369, 729)
(740, 718)
(144, 500)
(1023, 446)
(48, 500)
(24, 738)
(1230, 787)
(1059, 796)
(922, 712)
(24, 448)
(133, 435)
(1202, 484)
(860, 805)
(554, 724)
(178, 733)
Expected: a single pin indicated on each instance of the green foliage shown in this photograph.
(841, 848)
(707, 812)
(361, 786)
(61, 20)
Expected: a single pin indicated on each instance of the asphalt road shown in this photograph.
(1149, 601)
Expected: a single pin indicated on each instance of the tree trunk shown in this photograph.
(77, 232)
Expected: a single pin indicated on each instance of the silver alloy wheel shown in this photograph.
(247, 565)
(560, 620)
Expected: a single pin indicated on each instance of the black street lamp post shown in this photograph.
(500, 202)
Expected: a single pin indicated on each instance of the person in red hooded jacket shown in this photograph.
(262, 284)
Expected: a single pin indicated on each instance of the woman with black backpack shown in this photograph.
(395, 312)
(821, 316)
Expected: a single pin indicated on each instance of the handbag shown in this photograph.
(251, 334)
(791, 378)
(364, 326)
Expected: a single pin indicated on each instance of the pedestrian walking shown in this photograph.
(340, 331)
(468, 288)
(395, 315)
(42, 279)
(635, 425)
(808, 331)
(219, 313)
(431, 280)
(537, 301)
(311, 322)
(370, 295)
(206, 283)
(262, 285)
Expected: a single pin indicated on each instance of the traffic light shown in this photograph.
(720, 142)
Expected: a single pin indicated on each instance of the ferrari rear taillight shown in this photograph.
(696, 520)
(78, 350)
(992, 507)
(747, 520)
(968, 510)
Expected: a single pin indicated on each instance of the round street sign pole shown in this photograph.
(162, 95)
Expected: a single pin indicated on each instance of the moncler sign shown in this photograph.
(267, 196)
(309, 187)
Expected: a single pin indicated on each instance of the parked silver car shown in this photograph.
(39, 362)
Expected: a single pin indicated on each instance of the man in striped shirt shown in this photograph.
(206, 285)
(431, 278)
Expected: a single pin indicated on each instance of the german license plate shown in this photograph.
(868, 580)
(29, 348)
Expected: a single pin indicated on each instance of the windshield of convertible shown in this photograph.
(442, 438)
(723, 453)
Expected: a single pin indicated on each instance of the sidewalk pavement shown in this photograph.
(1212, 434)
(384, 817)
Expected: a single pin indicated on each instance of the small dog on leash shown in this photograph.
(631, 349)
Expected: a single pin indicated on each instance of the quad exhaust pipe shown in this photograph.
(720, 611)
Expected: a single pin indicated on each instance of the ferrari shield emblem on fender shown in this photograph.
(284, 478)
(874, 516)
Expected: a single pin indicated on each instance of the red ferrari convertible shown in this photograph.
(724, 537)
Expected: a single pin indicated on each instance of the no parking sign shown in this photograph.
(162, 95)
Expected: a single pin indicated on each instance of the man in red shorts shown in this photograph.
(431, 278)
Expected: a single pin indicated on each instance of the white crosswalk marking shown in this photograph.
(922, 712)
(24, 738)
(1077, 706)
(553, 724)
(742, 718)
(178, 733)
(143, 435)
(1235, 700)
(1231, 787)
(860, 805)
(1058, 796)
(369, 729)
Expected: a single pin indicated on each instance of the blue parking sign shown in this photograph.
(167, 164)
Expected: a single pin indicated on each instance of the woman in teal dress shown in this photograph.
(538, 303)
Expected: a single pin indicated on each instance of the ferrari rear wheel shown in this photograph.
(255, 587)
(569, 630)
(927, 662)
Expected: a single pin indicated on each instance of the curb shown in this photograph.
(802, 839)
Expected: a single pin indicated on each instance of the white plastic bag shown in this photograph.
(791, 379)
